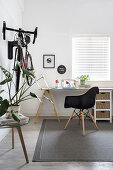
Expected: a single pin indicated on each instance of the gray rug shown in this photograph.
(58, 145)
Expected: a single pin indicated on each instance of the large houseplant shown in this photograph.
(15, 98)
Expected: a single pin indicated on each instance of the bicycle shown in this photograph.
(21, 41)
(25, 60)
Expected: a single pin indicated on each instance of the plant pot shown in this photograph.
(82, 82)
(15, 109)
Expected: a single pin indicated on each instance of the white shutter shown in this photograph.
(91, 55)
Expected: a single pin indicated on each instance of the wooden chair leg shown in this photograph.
(79, 117)
(83, 126)
(93, 120)
(69, 119)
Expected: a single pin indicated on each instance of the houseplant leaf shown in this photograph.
(6, 73)
(1, 98)
(6, 81)
(1, 91)
(28, 73)
(4, 104)
(33, 95)
(15, 116)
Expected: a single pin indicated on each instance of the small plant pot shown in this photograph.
(15, 109)
(82, 82)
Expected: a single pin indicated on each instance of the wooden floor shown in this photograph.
(13, 159)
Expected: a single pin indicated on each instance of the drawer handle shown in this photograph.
(103, 102)
(102, 93)
(102, 111)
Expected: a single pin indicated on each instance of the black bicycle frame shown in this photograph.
(18, 68)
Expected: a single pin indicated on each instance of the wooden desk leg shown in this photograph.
(12, 138)
(53, 106)
(38, 111)
(22, 142)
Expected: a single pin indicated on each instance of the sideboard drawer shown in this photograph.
(103, 114)
(102, 105)
(103, 96)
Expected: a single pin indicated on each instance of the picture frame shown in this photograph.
(48, 61)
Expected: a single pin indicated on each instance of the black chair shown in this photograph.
(84, 101)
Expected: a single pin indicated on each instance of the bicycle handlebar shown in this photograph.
(19, 31)
(35, 35)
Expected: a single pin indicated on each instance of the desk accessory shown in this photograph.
(68, 83)
(85, 86)
(84, 79)
(57, 85)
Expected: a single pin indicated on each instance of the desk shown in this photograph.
(49, 91)
(18, 127)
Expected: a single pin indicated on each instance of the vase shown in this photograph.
(82, 82)
(15, 109)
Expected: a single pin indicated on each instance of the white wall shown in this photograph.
(58, 21)
(10, 11)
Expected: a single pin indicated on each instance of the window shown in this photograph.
(91, 55)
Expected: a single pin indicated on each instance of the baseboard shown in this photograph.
(51, 115)
(46, 114)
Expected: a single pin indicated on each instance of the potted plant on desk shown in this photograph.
(84, 79)
(11, 106)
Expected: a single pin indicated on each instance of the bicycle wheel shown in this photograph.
(30, 68)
